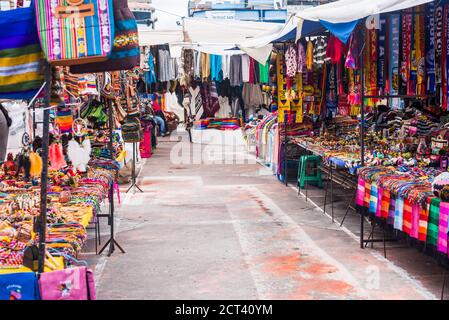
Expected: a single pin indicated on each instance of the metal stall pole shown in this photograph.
(362, 133)
(42, 221)
(111, 242)
(134, 185)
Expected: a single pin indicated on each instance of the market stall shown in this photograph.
(53, 189)
(374, 93)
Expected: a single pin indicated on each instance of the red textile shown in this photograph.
(335, 49)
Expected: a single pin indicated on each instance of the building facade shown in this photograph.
(245, 10)
(144, 12)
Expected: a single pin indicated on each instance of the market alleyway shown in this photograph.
(232, 231)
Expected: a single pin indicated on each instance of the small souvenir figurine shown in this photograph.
(10, 166)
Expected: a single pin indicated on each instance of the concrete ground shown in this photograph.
(233, 231)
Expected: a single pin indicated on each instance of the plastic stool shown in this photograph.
(304, 177)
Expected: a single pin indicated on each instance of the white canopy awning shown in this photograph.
(255, 38)
(350, 10)
(217, 37)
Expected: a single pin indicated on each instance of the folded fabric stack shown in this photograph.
(201, 124)
(224, 124)
(218, 124)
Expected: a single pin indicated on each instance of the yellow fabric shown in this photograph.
(15, 61)
(30, 76)
(205, 65)
(283, 100)
(22, 269)
(309, 55)
(36, 164)
(121, 156)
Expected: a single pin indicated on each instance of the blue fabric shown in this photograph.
(215, 67)
(309, 28)
(151, 75)
(19, 286)
(341, 30)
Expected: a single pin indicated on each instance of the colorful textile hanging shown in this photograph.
(374, 196)
(399, 209)
(393, 59)
(407, 30)
(64, 120)
(418, 54)
(370, 71)
(423, 219)
(296, 101)
(439, 50)
(379, 201)
(20, 55)
(391, 210)
(407, 217)
(360, 192)
(443, 227)
(367, 196)
(331, 91)
(430, 49)
(416, 208)
(381, 59)
(445, 102)
(434, 216)
(283, 101)
(385, 203)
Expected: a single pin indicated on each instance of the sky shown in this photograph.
(168, 21)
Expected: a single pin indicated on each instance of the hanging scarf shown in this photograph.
(381, 56)
(373, 58)
(430, 49)
(331, 91)
(445, 58)
(419, 52)
(353, 57)
(407, 29)
(439, 44)
(394, 49)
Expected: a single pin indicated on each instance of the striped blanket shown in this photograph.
(432, 227)
(20, 55)
(423, 219)
(443, 227)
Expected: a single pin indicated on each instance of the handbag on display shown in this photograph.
(75, 32)
(19, 286)
(68, 284)
(125, 51)
(132, 129)
(20, 55)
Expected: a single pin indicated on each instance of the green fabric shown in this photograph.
(264, 72)
(434, 216)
